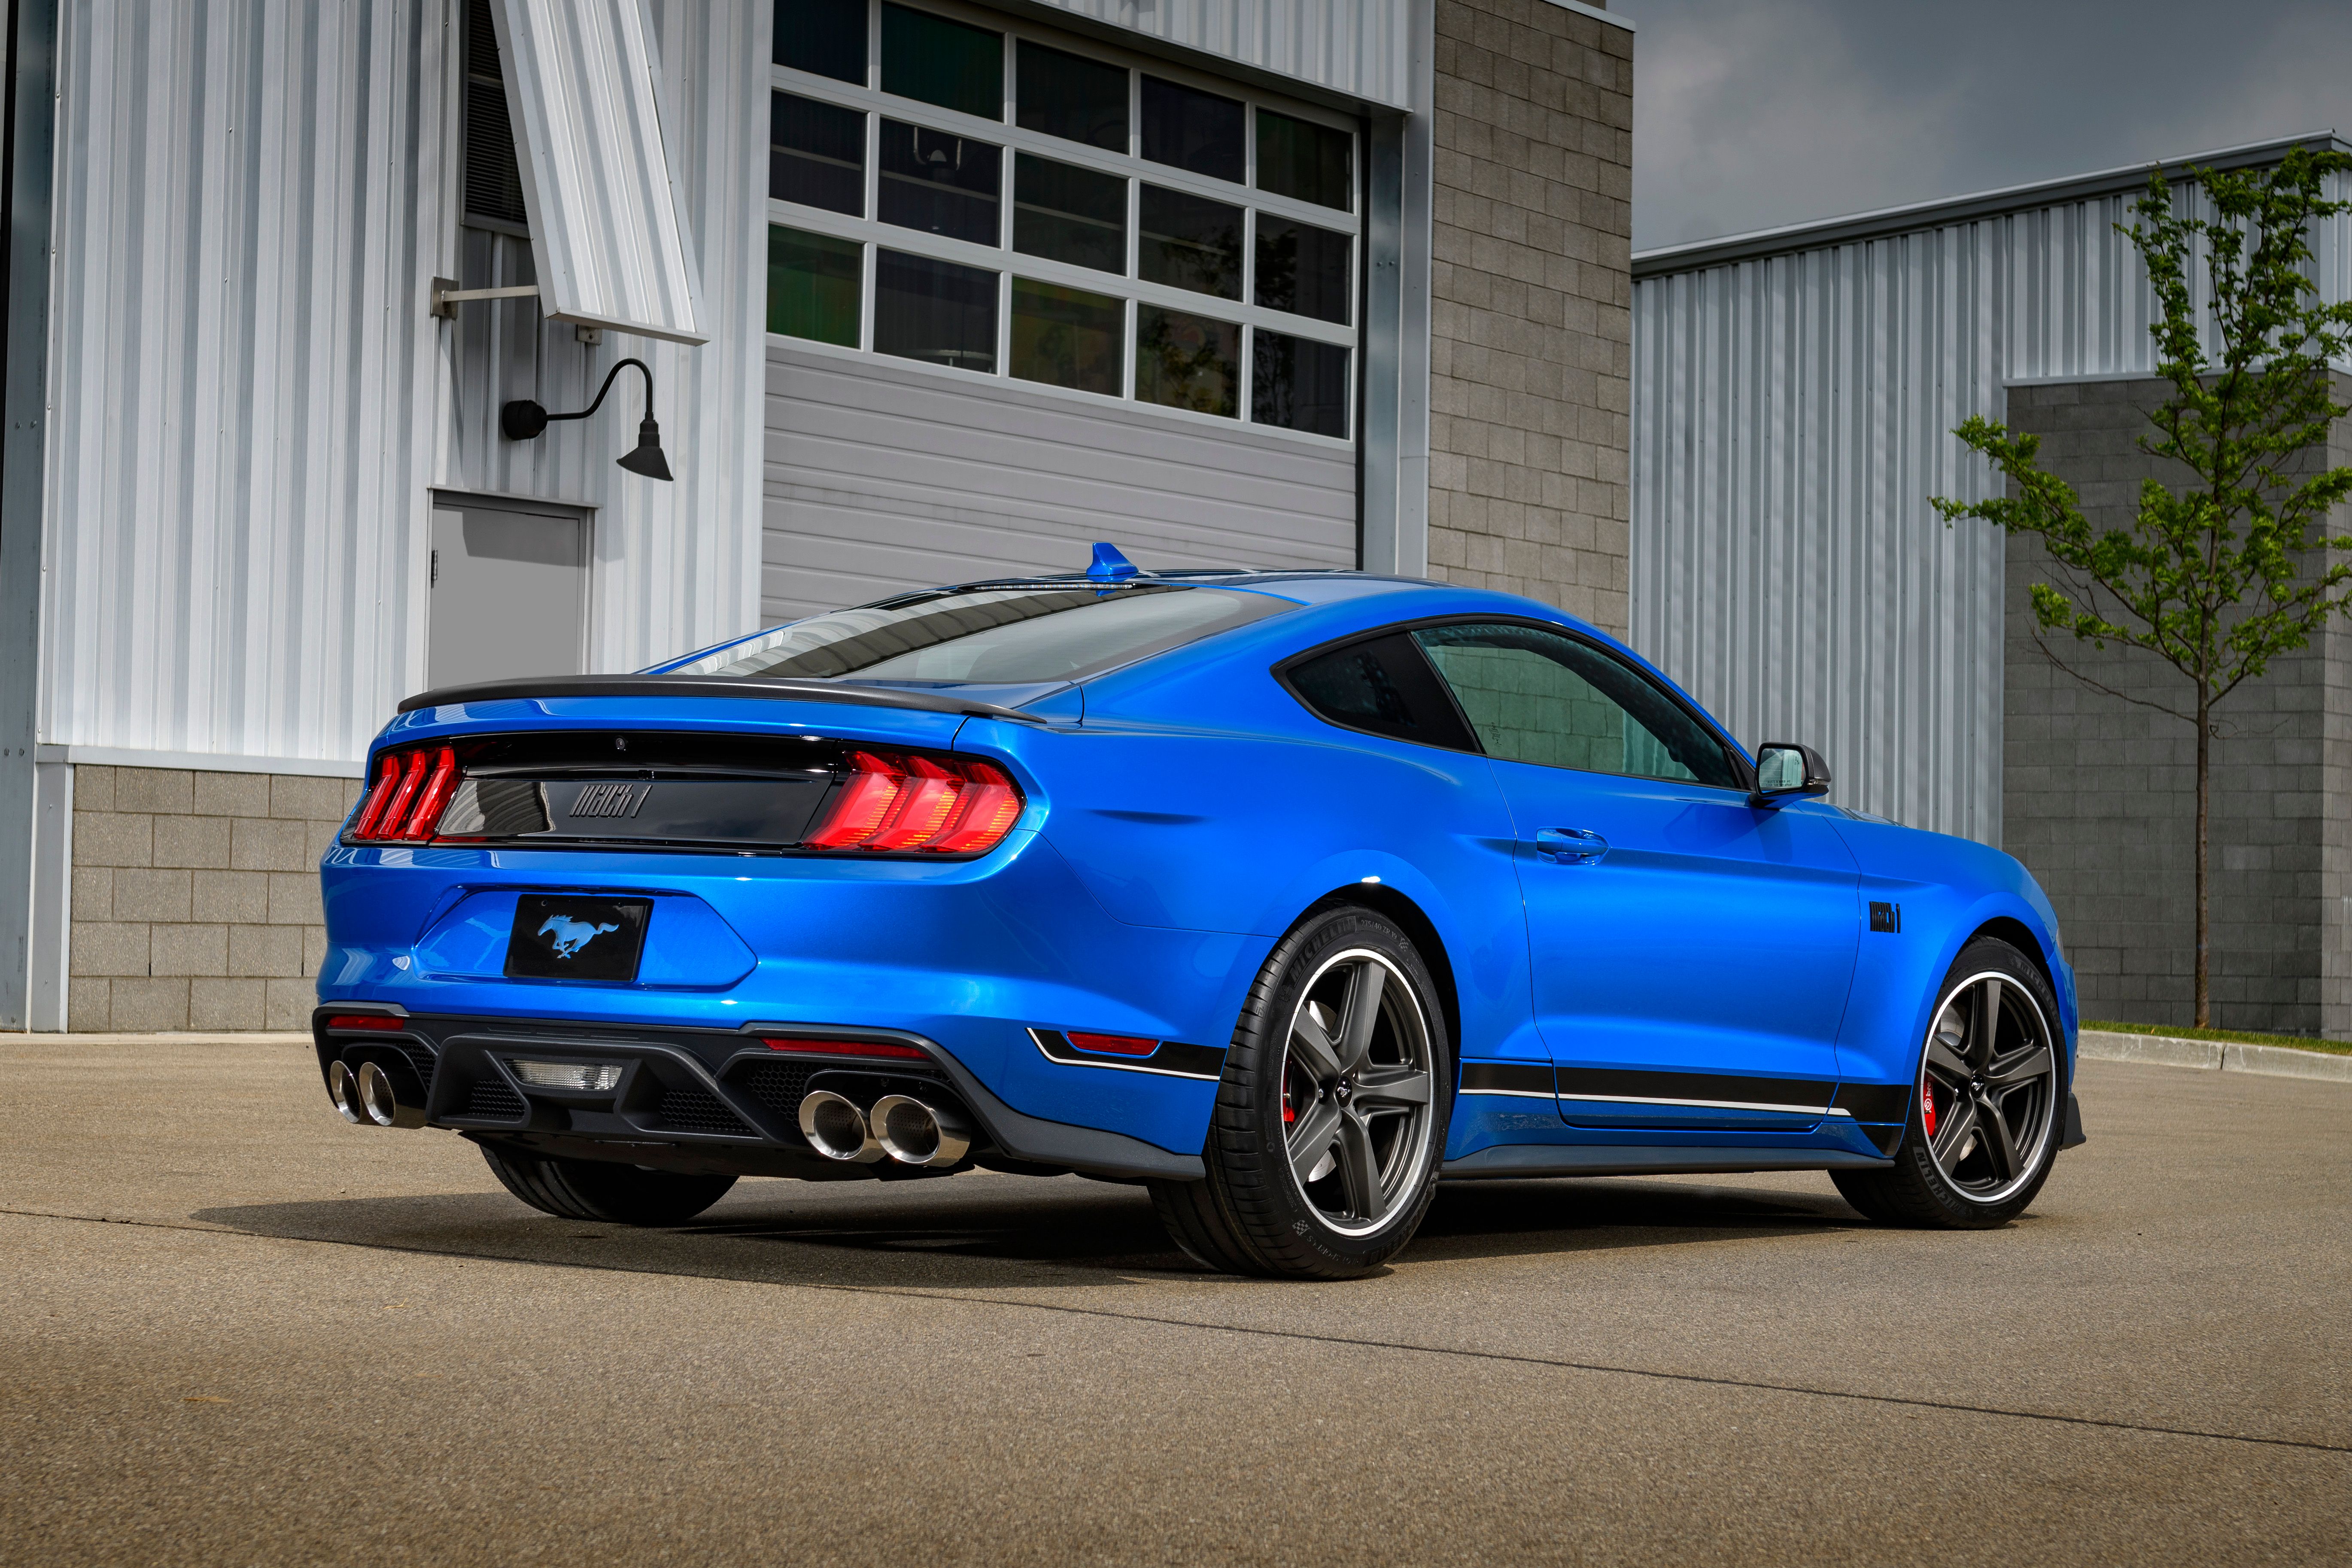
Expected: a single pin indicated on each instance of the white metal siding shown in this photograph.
(880, 478)
(1792, 415)
(1358, 47)
(251, 404)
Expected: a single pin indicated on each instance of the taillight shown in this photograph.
(942, 806)
(410, 793)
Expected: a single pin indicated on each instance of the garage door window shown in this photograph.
(986, 195)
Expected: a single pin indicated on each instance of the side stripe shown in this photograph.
(1525, 1080)
(1714, 1090)
(1875, 1101)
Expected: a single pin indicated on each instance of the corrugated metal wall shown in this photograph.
(881, 479)
(252, 406)
(1791, 416)
(1358, 47)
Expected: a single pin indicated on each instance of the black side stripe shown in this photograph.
(1874, 1102)
(1527, 1078)
(1694, 1089)
(1170, 1061)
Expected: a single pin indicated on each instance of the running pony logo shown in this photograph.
(572, 935)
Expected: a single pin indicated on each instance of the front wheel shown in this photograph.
(1987, 1102)
(603, 1190)
(1323, 1150)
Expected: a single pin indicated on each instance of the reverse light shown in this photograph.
(590, 1078)
(941, 805)
(841, 1047)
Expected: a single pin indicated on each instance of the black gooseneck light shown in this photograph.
(525, 420)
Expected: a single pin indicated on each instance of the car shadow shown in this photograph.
(1002, 1232)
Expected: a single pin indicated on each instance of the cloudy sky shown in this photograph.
(1752, 113)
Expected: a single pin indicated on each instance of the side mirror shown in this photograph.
(1786, 770)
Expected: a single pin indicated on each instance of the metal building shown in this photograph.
(1795, 392)
(923, 289)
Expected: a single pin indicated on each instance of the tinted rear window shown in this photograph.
(993, 635)
(1383, 686)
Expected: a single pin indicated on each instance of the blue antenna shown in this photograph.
(1111, 566)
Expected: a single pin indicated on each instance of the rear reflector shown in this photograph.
(841, 1047)
(1113, 1044)
(363, 1021)
(941, 805)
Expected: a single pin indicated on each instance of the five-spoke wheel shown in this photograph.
(1356, 1090)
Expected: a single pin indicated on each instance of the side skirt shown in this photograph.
(1634, 1160)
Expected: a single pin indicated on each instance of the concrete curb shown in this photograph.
(2214, 1055)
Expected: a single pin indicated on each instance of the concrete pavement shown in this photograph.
(234, 1328)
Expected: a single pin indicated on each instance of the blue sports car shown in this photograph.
(1286, 894)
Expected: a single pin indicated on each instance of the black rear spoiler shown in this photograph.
(711, 686)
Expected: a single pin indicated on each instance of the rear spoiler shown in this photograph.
(710, 686)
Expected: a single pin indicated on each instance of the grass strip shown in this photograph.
(2232, 1037)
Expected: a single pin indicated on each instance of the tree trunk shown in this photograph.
(2204, 812)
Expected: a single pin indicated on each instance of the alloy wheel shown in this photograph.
(1988, 1087)
(1357, 1092)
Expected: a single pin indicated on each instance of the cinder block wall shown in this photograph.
(2098, 791)
(1531, 327)
(195, 898)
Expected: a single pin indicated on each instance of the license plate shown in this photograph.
(557, 936)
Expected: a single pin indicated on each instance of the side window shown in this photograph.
(1382, 684)
(1535, 696)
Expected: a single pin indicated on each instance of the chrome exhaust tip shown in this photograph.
(914, 1133)
(380, 1098)
(837, 1129)
(343, 1089)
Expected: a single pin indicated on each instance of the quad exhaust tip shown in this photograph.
(343, 1089)
(899, 1128)
(368, 1096)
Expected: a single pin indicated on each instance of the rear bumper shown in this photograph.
(705, 1098)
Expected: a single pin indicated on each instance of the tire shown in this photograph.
(1949, 1172)
(603, 1190)
(1324, 1147)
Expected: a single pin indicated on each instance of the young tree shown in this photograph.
(2233, 568)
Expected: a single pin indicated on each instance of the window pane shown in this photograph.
(1192, 130)
(826, 37)
(940, 184)
(1067, 214)
(1190, 242)
(1187, 361)
(1066, 337)
(1298, 158)
(817, 154)
(812, 286)
(1070, 96)
(934, 310)
(1535, 696)
(1303, 269)
(953, 64)
(1299, 385)
(1384, 686)
(992, 635)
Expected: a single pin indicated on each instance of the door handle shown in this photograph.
(1570, 846)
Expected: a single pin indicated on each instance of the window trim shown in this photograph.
(1743, 766)
(1129, 166)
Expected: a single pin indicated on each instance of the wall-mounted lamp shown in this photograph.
(524, 420)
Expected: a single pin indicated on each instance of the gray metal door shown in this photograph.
(510, 592)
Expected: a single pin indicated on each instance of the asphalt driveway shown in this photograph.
(233, 1329)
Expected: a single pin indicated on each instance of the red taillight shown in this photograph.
(941, 805)
(841, 1047)
(1113, 1044)
(363, 1021)
(410, 793)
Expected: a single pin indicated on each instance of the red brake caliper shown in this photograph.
(1928, 1104)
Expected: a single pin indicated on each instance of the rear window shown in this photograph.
(993, 635)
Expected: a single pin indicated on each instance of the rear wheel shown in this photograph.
(602, 1190)
(1986, 1104)
(1323, 1152)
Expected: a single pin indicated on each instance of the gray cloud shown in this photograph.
(1748, 115)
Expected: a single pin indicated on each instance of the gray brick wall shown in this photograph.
(2098, 791)
(1531, 314)
(195, 898)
